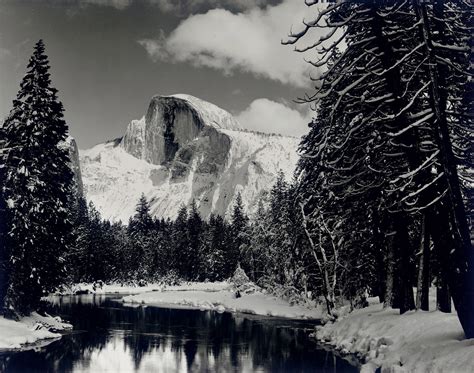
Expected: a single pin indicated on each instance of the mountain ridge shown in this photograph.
(180, 151)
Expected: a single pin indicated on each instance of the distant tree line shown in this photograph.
(271, 247)
(151, 249)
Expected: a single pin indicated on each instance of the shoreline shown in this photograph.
(31, 331)
(221, 297)
(421, 341)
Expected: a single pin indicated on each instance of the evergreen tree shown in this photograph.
(4, 254)
(239, 235)
(192, 253)
(37, 185)
(213, 248)
(139, 231)
(142, 222)
(180, 242)
(81, 239)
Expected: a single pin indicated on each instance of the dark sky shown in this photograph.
(104, 76)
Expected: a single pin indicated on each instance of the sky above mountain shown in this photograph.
(109, 57)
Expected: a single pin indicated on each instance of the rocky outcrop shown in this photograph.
(134, 140)
(175, 128)
(71, 146)
(182, 149)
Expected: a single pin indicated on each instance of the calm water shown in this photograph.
(111, 337)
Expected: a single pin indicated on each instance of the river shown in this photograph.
(109, 336)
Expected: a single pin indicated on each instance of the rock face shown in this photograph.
(183, 149)
(71, 145)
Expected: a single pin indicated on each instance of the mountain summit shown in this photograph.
(184, 148)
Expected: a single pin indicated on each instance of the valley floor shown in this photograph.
(30, 330)
(417, 341)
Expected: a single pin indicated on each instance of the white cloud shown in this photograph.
(190, 6)
(181, 6)
(272, 117)
(248, 41)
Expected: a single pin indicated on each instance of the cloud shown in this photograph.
(191, 6)
(272, 117)
(118, 4)
(248, 41)
(182, 6)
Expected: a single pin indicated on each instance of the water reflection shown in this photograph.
(111, 337)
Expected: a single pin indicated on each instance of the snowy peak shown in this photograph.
(211, 114)
(182, 149)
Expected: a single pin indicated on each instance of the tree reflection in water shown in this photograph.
(111, 336)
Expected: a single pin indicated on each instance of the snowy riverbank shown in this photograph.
(220, 297)
(417, 341)
(30, 330)
(88, 288)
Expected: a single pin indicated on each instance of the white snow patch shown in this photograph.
(211, 114)
(116, 288)
(29, 330)
(416, 341)
(218, 296)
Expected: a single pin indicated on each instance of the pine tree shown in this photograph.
(239, 235)
(256, 256)
(36, 187)
(192, 254)
(140, 227)
(4, 254)
(180, 242)
(142, 222)
(81, 239)
(213, 250)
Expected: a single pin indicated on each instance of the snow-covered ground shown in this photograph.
(133, 289)
(220, 297)
(30, 330)
(417, 341)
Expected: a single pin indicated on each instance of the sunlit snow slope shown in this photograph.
(183, 148)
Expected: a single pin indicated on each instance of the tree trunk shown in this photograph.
(404, 270)
(424, 280)
(389, 294)
(379, 251)
(443, 298)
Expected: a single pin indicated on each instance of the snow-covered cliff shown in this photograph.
(183, 149)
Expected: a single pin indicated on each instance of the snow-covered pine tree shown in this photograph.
(37, 185)
(394, 48)
(238, 232)
(445, 29)
(255, 256)
(75, 256)
(139, 231)
(192, 254)
(4, 255)
(179, 242)
(142, 222)
(213, 246)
